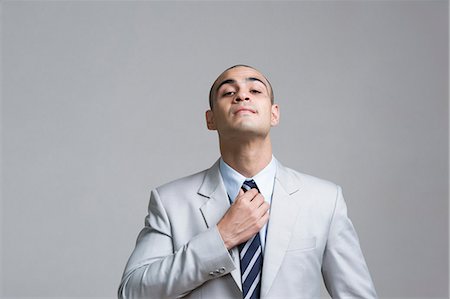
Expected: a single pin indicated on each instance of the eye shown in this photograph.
(228, 93)
(255, 91)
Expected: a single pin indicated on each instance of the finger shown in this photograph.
(250, 194)
(263, 209)
(257, 200)
(239, 196)
(263, 220)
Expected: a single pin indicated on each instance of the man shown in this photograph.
(247, 227)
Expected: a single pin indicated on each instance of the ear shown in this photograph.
(275, 115)
(210, 120)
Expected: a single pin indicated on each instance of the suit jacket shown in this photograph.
(180, 253)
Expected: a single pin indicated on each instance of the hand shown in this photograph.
(244, 219)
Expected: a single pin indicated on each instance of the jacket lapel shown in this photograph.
(215, 207)
(283, 214)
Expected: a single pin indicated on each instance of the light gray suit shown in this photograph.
(180, 252)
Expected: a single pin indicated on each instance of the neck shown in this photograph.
(248, 157)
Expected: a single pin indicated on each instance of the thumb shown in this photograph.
(241, 192)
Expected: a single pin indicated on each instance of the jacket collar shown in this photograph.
(213, 179)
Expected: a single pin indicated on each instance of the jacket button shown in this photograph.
(222, 270)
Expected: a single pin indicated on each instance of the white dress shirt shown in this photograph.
(264, 179)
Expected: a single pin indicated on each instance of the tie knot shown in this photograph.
(249, 184)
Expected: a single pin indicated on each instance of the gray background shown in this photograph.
(103, 101)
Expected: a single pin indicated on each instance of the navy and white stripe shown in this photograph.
(251, 259)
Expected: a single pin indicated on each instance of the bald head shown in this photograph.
(223, 80)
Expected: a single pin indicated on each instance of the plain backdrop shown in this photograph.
(104, 100)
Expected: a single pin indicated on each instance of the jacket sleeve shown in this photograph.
(157, 270)
(344, 269)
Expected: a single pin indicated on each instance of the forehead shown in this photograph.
(240, 74)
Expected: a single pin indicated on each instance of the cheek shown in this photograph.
(268, 113)
(220, 119)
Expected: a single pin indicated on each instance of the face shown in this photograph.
(242, 104)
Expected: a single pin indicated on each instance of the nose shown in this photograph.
(242, 96)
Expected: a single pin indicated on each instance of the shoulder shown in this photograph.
(317, 196)
(184, 184)
(296, 179)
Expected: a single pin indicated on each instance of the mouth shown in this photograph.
(244, 110)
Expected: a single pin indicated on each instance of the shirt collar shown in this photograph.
(264, 179)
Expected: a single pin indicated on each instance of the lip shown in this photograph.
(244, 109)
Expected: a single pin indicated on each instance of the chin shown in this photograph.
(246, 126)
(251, 130)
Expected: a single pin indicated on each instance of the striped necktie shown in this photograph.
(250, 253)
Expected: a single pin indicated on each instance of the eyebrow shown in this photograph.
(232, 81)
